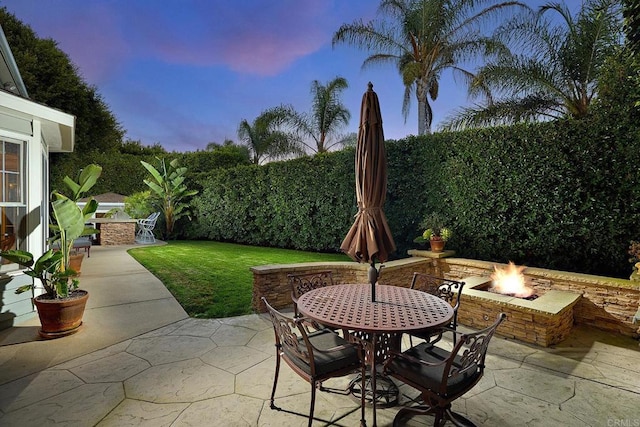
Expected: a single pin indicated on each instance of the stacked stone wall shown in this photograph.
(121, 233)
(607, 303)
(270, 281)
(530, 326)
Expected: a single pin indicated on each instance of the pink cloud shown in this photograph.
(260, 37)
(262, 40)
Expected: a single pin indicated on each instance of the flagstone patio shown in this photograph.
(141, 361)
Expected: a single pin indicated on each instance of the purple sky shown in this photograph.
(184, 73)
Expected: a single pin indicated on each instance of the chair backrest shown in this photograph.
(446, 289)
(305, 282)
(288, 331)
(149, 221)
(468, 355)
(153, 217)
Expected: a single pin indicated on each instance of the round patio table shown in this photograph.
(396, 310)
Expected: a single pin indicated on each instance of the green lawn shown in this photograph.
(212, 279)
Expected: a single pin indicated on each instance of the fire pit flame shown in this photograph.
(510, 281)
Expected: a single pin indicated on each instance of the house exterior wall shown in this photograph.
(29, 131)
(15, 308)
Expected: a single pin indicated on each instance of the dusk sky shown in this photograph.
(184, 73)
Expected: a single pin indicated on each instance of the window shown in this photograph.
(13, 207)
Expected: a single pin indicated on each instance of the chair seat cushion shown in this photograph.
(430, 377)
(82, 242)
(426, 335)
(327, 362)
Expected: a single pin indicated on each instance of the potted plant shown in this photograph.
(62, 304)
(66, 210)
(435, 232)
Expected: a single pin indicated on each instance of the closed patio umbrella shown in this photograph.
(370, 237)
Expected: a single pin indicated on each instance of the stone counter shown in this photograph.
(115, 231)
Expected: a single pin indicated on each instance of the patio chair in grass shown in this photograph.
(447, 289)
(314, 356)
(145, 228)
(442, 376)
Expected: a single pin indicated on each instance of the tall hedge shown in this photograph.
(560, 195)
(563, 195)
(123, 173)
(307, 203)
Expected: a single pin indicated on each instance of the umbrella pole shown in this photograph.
(373, 278)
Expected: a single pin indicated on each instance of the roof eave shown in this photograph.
(58, 128)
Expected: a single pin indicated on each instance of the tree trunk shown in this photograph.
(424, 111)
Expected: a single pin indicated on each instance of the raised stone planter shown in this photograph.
(605, 303)
(270, 281)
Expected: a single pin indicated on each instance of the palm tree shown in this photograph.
(424, 38)
(265, 139)
(328, 114)
(556, 72)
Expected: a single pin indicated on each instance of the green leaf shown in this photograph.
(23, 258)
(23, 288)
(69, 217)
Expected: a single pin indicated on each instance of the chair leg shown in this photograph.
(458, 419)
(313, 402)
(275, 381)
(363, 385)
(410, 411)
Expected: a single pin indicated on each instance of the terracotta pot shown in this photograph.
(437, 244)
(75, 261)
(61, 317)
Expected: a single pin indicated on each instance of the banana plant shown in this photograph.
(56, 282)
(168, 185)
(52, 268)
(69, 219)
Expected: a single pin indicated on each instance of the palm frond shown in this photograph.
(503, 112)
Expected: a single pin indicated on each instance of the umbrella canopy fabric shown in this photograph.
(370, 236)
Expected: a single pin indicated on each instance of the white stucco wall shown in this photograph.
(35, 125)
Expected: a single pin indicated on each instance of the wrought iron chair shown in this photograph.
(145, 228)
(447, 289)
(442, 376)
(301, 283)
(315, 356)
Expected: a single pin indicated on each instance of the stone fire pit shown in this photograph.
(544, 321)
